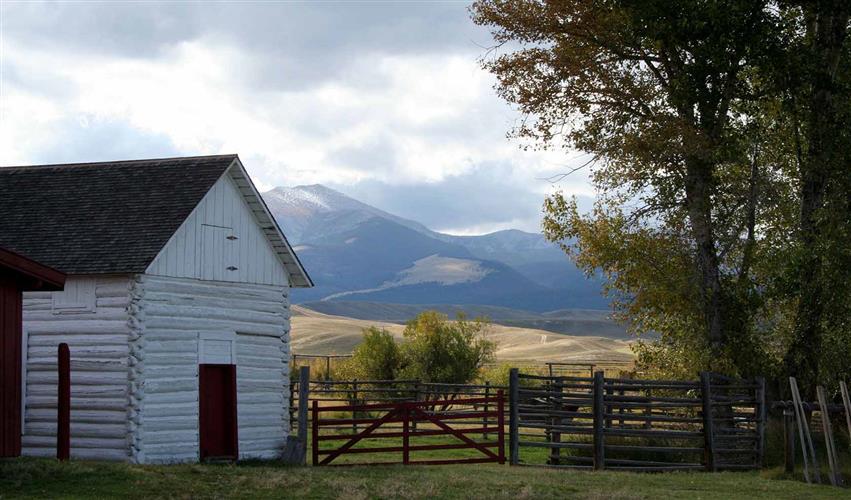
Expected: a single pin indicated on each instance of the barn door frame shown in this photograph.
(229, 397)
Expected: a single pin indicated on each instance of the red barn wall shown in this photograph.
(10, 367)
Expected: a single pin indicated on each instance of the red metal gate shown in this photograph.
(418, 419)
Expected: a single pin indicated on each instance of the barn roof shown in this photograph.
(31, 275)
(115, 217)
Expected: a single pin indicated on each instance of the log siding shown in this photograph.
(100, 352)
(177, 311)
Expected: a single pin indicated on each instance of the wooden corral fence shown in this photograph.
(437, 418)
(364, 392)
(715, 423)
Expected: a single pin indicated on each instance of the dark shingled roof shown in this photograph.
(96, 218)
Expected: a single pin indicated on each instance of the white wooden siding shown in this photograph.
(98, 341)
(204, 246)
(178, 312)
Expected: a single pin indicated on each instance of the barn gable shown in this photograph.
(116, 217)
(221, 240)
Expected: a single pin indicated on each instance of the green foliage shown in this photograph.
(377, 357)
(717, 135)
(439, 350)
(435, 349)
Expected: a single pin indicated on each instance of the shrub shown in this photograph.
(443, 351)
(377, 357)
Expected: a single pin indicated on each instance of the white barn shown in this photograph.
(176, 308)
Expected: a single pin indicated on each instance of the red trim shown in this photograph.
(41, 277)
(63, 417)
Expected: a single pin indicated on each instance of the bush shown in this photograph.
(443, 351)
(377, 357)
(434, 350)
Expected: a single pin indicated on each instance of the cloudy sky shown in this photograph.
(384, 101)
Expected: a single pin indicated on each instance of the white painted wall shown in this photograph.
(177, 313)
(92, 318)
(204, 246)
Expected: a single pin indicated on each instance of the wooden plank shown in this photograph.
(807, 449)
(846, 403)
(832, 459)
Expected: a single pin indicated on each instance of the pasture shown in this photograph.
(46, 478)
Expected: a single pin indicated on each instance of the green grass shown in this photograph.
(45, 478)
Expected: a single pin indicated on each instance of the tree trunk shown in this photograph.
(827, 32)
(699, 204)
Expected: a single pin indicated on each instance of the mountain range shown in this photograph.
(358, 253)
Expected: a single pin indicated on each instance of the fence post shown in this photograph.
(406, 434)
(354, 403)
(487, 407)
(417, 397)
(789, 439)
(315, 425)
(599, 422)
(514, 420)
(708, 435)
(500, 422)
(761, 416)
(303, 398)
(63, 404)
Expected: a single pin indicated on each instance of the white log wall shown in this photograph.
(173, 313)
(204, 246)
(99, 347)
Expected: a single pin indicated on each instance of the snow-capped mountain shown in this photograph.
(355, 251)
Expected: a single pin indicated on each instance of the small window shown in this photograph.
(77, 297)
(216, 348)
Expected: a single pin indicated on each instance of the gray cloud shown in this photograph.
(487, 196)
(297, 92)
(295, 44)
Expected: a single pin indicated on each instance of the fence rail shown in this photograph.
(435, 413)
(596, 422)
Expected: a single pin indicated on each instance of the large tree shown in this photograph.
(653, 90)
(814, 78)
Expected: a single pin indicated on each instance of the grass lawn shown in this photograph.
(46, 478)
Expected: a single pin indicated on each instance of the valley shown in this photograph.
(318, 333)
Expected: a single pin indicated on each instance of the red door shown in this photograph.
(217, 411)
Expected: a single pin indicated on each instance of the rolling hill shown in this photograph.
(317, 333)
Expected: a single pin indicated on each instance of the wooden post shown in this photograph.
(63, 417)
(315, 424)
(417, 397)
(789, 439)
(708, 434)
(830, 446)
(555, 451)
(487, 408)
(609, 392)
(807, 449)
(514, 420)
(500, 422)
(761, 416)
(303, 398)
(354, 401)
(846, 403)
(599, 422)
(406, 437)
